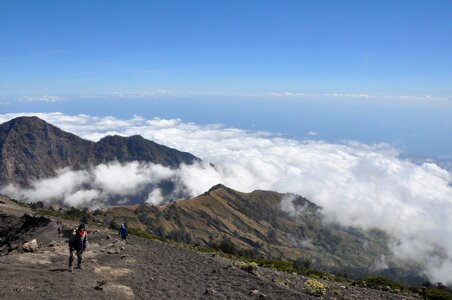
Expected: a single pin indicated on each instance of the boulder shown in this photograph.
(31, 246)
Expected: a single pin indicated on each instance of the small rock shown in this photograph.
(31, 246)
(113, 251)
(108, 237)
(253, 292)
(99, 285)
(209, 291)
(53, 244)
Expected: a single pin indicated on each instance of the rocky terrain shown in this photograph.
(257, 225)
(31, 148)
(138, 269)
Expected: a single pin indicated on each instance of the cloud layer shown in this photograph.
(161, 93)
(356, 184)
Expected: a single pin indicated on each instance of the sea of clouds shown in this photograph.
(368, 186)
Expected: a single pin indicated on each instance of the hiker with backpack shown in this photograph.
(123, 232)
(77, 243)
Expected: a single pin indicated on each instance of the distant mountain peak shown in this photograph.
(26, 119)
(31, 148)
(220, 187)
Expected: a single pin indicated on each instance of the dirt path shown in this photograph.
(140, 269)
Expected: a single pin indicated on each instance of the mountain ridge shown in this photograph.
(31, 148)
(254, 224)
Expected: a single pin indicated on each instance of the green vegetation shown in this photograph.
(438, 294)
(114, 225)
(379, 283)
(144, 234)
(315, 288)
(56, 213)
(292, 267)
(250, 267)
(20, 203)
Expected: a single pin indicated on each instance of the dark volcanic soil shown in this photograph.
(143, 269)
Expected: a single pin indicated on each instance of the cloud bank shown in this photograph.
(161, 93)
(368, 186)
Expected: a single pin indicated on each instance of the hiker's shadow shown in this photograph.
(58, 270)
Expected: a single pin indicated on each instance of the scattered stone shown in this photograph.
(108, 237)
(128, 259)
(31, 246)
(209, 291)
(99, 285)
(253, 292)
(53, 244)
(113, 251)
(118, 291)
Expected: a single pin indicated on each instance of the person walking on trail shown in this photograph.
(123, 232)
(77, 243)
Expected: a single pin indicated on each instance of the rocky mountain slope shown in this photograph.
(256, 225)
(31, 148)
(143, 269)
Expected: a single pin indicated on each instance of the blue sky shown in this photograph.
(374, 71)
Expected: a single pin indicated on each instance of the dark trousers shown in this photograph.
(79, 256)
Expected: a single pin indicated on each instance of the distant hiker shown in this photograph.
(77, 242)
(123, 232)
(59, 229)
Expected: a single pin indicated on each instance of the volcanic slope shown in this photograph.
(258, 226)
(31, 148)
(140, 269)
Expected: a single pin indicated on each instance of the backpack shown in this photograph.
(76, 240)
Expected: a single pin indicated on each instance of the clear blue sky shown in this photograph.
(214, 52)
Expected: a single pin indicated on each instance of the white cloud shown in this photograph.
(127, 179)
(82, 198)
(161, 93)
(155, 197)
(368, 186)
(93, 187)
(42, 98)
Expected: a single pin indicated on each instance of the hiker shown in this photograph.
(123, 232)
(77, 242)
(59, 229)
